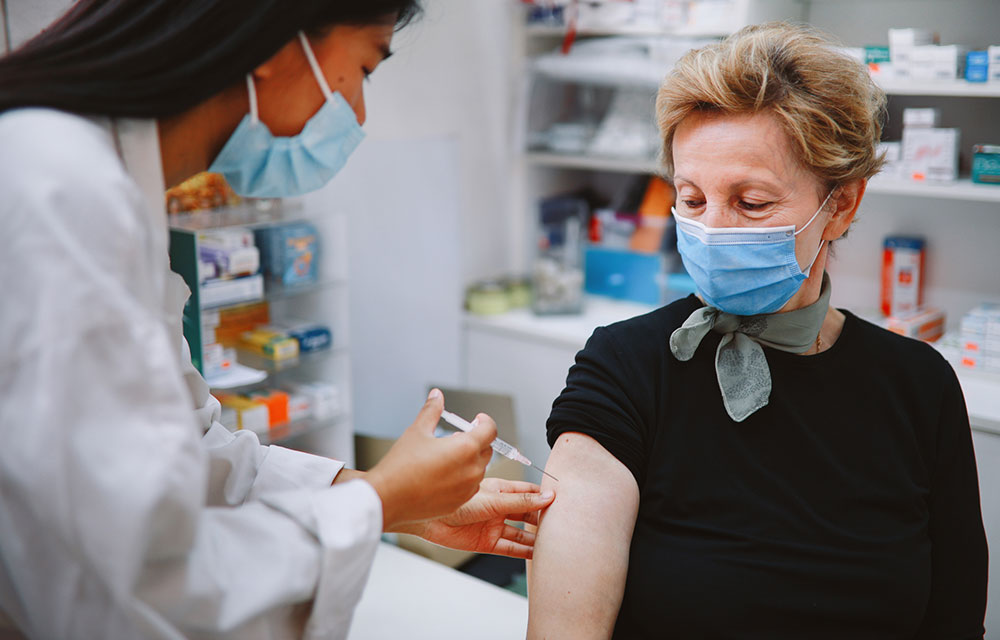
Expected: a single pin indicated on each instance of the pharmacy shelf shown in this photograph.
(237, 377)
(554, 31)
(982, 398)
(283, 433)
(252, 213)
(957, 88)
(252, 370)
(958, 190)
(593, 163)
(271, 367)
(275, 291)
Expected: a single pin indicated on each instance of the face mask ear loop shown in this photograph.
(316, 69)
(825, 200)
(808, 270)
(252, 92)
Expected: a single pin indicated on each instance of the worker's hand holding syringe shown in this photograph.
(434, 487)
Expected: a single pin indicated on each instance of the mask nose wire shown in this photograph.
(316, 69)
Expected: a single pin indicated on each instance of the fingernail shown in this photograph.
(475, 421)
(434, 394)
(547, 495)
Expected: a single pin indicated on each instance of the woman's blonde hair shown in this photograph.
(826, 102)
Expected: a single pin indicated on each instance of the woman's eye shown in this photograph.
(692, 204)
(367, 73)
(753, 206)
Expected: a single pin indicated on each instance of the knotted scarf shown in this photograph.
(740, 364)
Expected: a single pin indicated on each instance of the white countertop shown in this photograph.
(565, 330)
(409, 597)
(982, 390)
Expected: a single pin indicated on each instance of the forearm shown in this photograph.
(580, 559)
(346, 475)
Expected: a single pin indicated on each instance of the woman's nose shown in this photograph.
(718, 215)
(359, 108)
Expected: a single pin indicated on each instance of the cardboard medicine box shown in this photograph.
(931, 154)
(903, 260)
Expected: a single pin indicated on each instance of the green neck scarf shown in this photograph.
(740, 364)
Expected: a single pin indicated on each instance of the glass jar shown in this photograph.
(557, 276)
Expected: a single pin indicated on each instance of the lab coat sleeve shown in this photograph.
(103, 474)
(242, 469)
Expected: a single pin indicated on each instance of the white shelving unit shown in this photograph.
(951, 88)
(964, 189)
(592, 163)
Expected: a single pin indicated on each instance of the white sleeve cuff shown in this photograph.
(284, 469)
(347, 520)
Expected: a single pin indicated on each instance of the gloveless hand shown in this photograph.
(424, 477)
(480, 524)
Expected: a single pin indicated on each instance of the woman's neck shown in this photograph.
(190, 141)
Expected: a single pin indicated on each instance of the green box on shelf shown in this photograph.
(876, 55)
(986, 164)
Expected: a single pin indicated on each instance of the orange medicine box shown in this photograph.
(902, 275)
(277, 405)
(926, 325)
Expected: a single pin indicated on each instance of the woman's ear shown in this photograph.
(286, 58)
(846, 198)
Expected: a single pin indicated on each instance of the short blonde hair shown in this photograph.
(826, 101)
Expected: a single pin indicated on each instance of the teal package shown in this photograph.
(289, 253)
(986, 164)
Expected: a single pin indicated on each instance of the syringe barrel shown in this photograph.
(503, 448)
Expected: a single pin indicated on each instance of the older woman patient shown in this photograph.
(752, 462)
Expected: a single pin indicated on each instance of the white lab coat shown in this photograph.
(118, 517)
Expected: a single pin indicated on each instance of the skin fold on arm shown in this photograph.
(577, 576)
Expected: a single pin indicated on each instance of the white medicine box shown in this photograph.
(931, 154)
(994, 62)
(902, 43)
(937, 62)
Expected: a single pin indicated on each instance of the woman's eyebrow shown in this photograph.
(752, 182)
(386, 52)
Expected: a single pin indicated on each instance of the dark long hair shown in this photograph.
(158, 58)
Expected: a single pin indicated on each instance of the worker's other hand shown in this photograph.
(423, 477)
(480, 524)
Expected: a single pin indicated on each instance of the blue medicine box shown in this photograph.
(311, 337)
(625, 275)
(289, 253)
(977, 66)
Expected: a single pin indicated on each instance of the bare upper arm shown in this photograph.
(577, 577)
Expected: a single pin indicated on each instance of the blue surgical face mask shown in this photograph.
(745, 271)
(259, 165)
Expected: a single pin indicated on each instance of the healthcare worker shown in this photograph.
(126, 509)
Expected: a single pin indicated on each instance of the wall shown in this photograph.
(3, 26)
(452, 76)
(401, 206)
(425, 195)
(25, 18)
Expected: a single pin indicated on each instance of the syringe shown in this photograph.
(503, 448)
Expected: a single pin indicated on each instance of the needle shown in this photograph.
(546, 472)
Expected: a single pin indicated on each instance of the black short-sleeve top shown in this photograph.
(846, 508)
